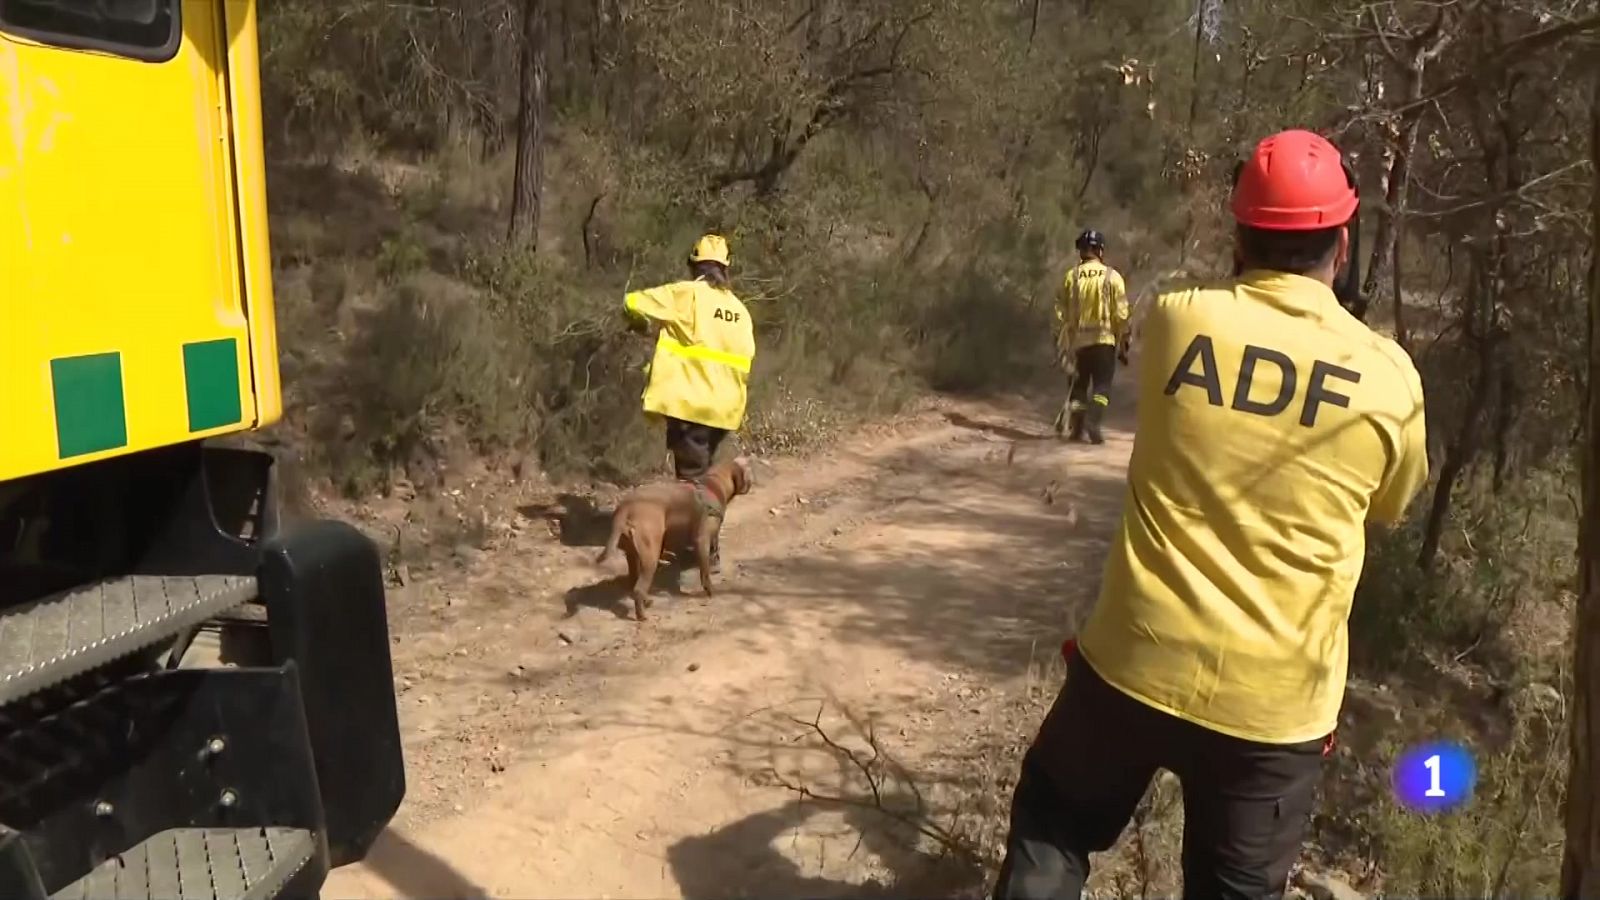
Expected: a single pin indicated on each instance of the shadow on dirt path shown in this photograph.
(755, 857)
(1000, 430)
(892, 593)
(578, 522)
(410, 871)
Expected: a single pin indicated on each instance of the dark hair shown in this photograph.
(1294, 252)
(714, 273)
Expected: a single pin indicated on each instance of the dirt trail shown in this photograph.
(900, 585)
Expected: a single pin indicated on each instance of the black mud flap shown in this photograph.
(19, 878)
(323, 586)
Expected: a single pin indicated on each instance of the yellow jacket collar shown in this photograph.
(1291, 293)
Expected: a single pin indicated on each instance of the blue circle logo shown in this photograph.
(1435, 777)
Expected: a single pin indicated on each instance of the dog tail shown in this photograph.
(619, 524)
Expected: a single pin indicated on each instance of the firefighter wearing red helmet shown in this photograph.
(1273, 427)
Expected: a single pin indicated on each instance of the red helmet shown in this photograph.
(1295, 181)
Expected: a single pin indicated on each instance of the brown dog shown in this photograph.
(677, 516)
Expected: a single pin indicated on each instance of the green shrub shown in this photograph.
(1506, 842)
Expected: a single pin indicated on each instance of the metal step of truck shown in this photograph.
(200, 864)
(45, 642)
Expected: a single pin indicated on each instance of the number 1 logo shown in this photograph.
(1435, 777)
(1434, 790)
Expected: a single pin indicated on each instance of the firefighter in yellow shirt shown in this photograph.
(1273, 428)
(705, 345)
(1091, 318)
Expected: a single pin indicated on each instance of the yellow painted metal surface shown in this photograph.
(132, 246)
(244, 90)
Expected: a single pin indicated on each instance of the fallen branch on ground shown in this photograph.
(879, 784)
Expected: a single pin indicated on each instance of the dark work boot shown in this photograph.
(1091, 424)
(1075, 426)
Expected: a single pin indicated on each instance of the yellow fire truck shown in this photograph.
(136, 322)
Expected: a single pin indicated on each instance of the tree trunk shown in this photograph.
(1096, 133)
(1419, 51)
(591, 240)
(563, 84)
(1194, 71)
(527, 186)
(1391, 226)
(1458, 455)
(1580, 867)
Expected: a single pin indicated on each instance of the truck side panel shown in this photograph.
(122, 318)
(244, 95)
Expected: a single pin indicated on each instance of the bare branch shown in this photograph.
(916, 820)
(1525, 46)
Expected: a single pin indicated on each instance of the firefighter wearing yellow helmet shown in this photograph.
(705, 344)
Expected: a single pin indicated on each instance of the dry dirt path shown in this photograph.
(901, 587)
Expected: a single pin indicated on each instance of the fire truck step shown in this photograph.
(50, 640)
(200, 864)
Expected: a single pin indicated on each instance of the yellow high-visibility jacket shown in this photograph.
(703, 355)
(1092, 307)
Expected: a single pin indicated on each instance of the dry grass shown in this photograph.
(950, 806)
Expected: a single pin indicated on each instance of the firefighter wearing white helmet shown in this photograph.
(705, 345)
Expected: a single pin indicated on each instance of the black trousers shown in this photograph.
(693, 447)
(1094, 368)
(1245, 804)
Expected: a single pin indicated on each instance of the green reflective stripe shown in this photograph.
(91, 416)
(211, 381)
(1102, 400)
(691, 351)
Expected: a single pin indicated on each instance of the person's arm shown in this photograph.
(1408, 471)
(1120, 315)
(651, 308)
(1065, 315)
(1119, 304)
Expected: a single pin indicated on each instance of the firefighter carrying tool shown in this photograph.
(195, 699)
(1091, 324)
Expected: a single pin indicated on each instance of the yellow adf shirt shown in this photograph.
(701, 368)
(1272, 427)
(1092, 307)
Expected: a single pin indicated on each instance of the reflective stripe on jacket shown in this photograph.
(1092, 307)
(703, 355)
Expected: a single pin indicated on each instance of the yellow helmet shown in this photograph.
(711, 248)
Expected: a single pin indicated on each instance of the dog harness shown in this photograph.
(710, 504)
